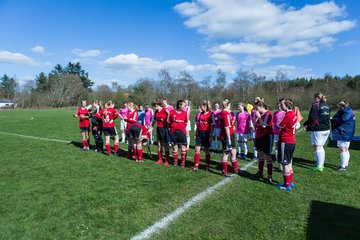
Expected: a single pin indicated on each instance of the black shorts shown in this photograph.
(162, 135)
(225, 143)
(178, 137)
(111, 131)
(134, 133)
(202, 139)
(264, 144)
(285, 152)
(85, 129)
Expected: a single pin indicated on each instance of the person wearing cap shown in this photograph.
(318, 123)
(343, 129)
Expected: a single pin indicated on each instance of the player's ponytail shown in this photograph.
(107, 105)
(207, 104)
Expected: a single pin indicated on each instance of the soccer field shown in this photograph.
(52, 190)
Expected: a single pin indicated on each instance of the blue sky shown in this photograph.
(126, 40)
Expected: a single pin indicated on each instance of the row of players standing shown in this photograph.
(219, 123)
(172, 128)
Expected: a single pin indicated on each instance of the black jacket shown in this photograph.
(319, 117)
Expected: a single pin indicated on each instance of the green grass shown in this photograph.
(52, 190)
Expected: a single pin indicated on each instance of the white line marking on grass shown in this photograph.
(164, 222)
(39, 138)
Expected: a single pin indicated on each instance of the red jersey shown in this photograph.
(205, 121)
(226, 121)
(178, 121)
(131, 118)
(263, 131)
(287, 128)
(161, 118)
(108, 119)
(144, 131)
(83, 122)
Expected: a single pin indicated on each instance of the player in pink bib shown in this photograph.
(242, 120)
(217, 128)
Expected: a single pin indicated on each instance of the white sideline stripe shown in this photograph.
(164, 222)
(39, 138)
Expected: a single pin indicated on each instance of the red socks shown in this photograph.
(183, 158)
(196, 160)
(176, 157)
(116, 147)
(139, 154)
(287, 179)
(84, 143)
(108, 149)
(224, 167)
(159, 155)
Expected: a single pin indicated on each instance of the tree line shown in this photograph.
(66, 86)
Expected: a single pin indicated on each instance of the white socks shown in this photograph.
(320, 157)
(345, 157)
(188, 141)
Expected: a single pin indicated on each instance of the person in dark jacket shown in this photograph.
(343, 129)
(318, 123)
(97, 127)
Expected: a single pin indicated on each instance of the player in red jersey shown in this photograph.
(130, 119)
(227, 136)
(138, 135)
(203, 134)
(84, 124)
(108, 116)
(161, 118)
(286, 144)
(178, 121)
(264, 139)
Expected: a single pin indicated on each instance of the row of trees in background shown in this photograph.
(66, 86)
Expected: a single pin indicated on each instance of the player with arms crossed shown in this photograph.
(264, 139)
(203, 134)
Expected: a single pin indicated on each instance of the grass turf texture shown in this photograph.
(52, 190)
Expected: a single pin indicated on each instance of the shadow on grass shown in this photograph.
(333, 221)
(306, 163)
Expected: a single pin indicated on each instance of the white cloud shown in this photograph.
(134, 65)
(290, 71)
(38, 49)
(86, 53)
(348, 43)
(261, 30)
(17, 58)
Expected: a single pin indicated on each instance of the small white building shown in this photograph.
(6, 103)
